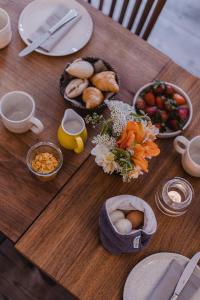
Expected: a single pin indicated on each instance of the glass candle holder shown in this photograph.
(174, 197)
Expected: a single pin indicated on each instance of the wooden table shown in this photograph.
(22, 197)
(55, 225)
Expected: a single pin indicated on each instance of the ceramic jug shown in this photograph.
(72, 133)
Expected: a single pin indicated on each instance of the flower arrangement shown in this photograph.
(125, 142)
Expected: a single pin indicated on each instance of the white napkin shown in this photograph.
(55, 38)
(165, 287)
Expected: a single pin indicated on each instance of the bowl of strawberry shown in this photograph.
(167, 105)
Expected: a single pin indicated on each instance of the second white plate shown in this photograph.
(146, 274)
(37, 11)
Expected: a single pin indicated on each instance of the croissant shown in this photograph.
(105, 81)
(92, 97)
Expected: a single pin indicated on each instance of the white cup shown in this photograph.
(190, 151)
(5, 29)
(17, 111)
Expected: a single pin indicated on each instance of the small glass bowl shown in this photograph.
(40, 148)
(174, 197)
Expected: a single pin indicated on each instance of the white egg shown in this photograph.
(116, 215)
(123, 226)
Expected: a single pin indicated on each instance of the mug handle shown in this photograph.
(80, 145)
(37, 125)
(180, 144)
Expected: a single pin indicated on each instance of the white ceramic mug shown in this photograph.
(17, 111)
(5, 29)
(190, 151)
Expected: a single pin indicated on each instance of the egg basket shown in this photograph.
(118, 243)
(77, 103)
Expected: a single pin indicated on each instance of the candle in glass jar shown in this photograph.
(174, 196)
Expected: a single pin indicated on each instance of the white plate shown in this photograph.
(146, 274)
(37, 11)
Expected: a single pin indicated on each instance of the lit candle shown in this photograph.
(174, 196)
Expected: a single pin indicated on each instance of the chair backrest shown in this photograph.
(143, 16)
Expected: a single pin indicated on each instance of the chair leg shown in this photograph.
(144, 16)
(123, 11)
(159, 6)
(134, 14)
(101, 4)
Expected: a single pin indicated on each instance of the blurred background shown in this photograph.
(176, 33)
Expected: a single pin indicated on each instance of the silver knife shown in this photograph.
(72, 14)
(185, 276)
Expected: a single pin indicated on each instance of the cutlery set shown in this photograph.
(71, 15)
(185, 276)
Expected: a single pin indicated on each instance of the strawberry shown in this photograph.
(149, 99)
(160, 101)
(158, 125)
(164, 115)
(159, 90)
(180, 100)
(140, 104)
(159, 87)
(174, 125)
(151, 111)
(170, 105)
(183, 113)
(169, 89)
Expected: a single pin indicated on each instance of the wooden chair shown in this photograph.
(147, 18)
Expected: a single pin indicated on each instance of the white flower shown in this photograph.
(109, 164)
(105, 139)
(151, 132)
(134, 174)
(119, 111)
(104, 158)
(123, 107)
(100, 152)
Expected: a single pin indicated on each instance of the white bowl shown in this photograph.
(181, 92)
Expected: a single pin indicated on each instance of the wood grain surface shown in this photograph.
(64, 240)
(22, 197)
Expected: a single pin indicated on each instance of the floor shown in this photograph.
(20, 280)
(177, 31)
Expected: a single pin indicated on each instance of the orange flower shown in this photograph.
(151, 149)
(139, 158)
(140, 133)
(133, 133)
(126, 139)
(148, 149)
(131, 138)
